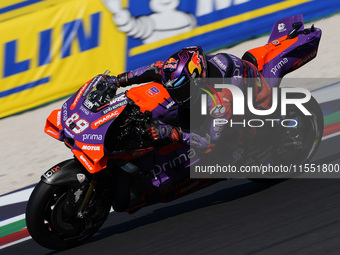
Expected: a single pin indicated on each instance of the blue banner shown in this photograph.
(155, 28)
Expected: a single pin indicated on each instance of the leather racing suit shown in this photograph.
(221, 65)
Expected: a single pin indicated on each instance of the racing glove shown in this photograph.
(111, 82)
(160, 131)
(200, 142)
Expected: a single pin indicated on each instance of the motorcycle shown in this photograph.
(116, 164)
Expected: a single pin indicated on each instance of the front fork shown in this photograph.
(86, 199)
(82, 189)
(113, 183)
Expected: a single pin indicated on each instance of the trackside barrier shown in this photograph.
(49, 47)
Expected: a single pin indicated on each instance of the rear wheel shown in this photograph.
(310, 130)
(305, 139)
(53, 218)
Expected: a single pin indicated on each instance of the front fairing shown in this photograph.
(86, 127)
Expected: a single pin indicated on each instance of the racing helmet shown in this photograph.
(189, 62)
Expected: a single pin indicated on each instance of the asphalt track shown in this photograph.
(297, 216)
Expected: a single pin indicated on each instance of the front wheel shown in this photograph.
(53, 219)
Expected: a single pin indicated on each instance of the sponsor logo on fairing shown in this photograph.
(178, 161)
(306, 59)
(58, 118)
(88, 104)
(50, 172)
(104, 119)
(87, 164)
(281, 27)
(84, 110)
(118, 98)
(76, 99)
(170, 105)
(279, 66)
(152, 92)
(114, 107)
(90, 148)
(92, 137)
(69, 133)
(64, 111)
(81, 178)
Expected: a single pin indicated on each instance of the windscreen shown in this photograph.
(99, 96)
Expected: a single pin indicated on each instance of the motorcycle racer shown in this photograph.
(175, 74)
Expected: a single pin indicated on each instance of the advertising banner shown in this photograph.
(50, 48)
(155, 29)
(49, 53)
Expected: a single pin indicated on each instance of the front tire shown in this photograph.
(53, 225)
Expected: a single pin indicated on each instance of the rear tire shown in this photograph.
(311, 128)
